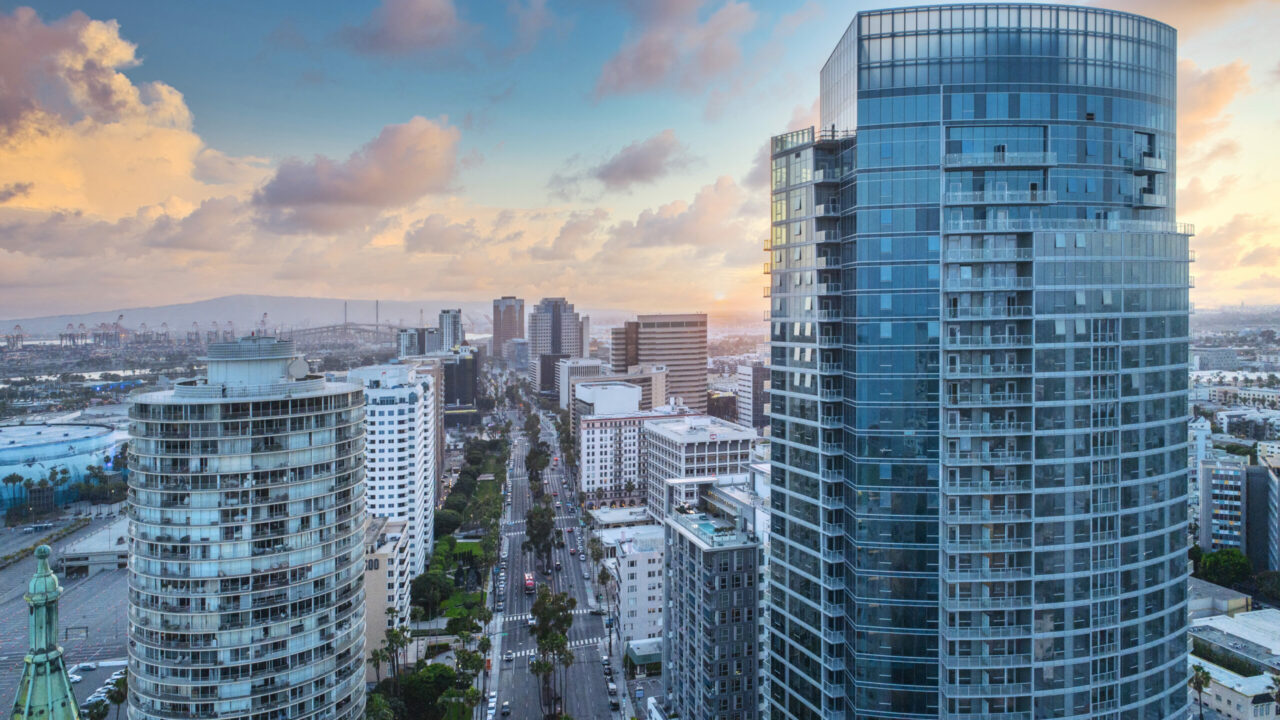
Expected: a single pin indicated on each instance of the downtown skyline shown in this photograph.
(536, 148)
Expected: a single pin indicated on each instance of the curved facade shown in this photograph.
(979, 305)
(246, 568)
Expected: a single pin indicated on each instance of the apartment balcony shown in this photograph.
(831, 448)
(1000, 159)
(832, 608)
(831, 502)
(826, 236)
(987, 516)
(965, 486)
(1002, 690)
(1011, 544)
(827, 210)
(986, 341)
(984, 284)
(832, 689)
(979, 370)
(989, 457)
(835, 637)
(827, 263)
(831, 474)
(986, 661)
(830, 368)
(826, 393)
(988, 399)
(826, 175)
(834, 556)
(768, 292)
(977, 255)
(833, 662)
(768, 268)
(1146, 199)
(832, 582)
(830, 421)
(986, 574)
(993, 312)
(829, 315)
(985, 632)
(1146, 162)
(987, 428)
(1001, 197)
(1017, 225)
(828, 288)
(1013, 602)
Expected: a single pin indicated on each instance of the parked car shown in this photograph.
(74, 678)
(506, 708)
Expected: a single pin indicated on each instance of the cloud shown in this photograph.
(1203, 98)
(218, 225)
(761, 169)
(1220, 247)
(1261, 255)
(13, 190)
(806, 116)
(673, 48)
(532, 18)
(402, 164)
(718, 218)
(1266, 281)
(407, 27)
(641, 162)
(573, 237)
(436, 234)
(1196, 196)
(1187, 16)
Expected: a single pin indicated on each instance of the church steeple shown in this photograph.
(44, 693)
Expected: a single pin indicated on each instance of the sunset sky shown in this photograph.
(609, 152)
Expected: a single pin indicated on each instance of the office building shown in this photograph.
(554, 329)
(710, 651)
(651, 379)
(400, 459)
(570, 369)
(44, 689)
(451, 333)
(634, 556)
(516, 352)
(610, 454)
(542, 373)
(677, 341)
(722, 404)
(388, 577)
(753, 383)
(508, 322)
(978, 398)
(246, 576)
(1214, 358)
(691, 446)
(418, 341)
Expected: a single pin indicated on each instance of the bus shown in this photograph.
(528, 583)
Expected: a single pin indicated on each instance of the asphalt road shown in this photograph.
(586, 687)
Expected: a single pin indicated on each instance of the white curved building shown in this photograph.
(246, 566)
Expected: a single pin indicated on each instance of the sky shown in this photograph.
(606, 151)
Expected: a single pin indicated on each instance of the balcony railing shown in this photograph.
(1066, 225)
(986, 544)
(1000, 159)
(1000, 197)
(998, 312)
(1145, 162)
(985, 341)
(987, 632)
(980, 399)
(988, 428)
(987, 283)
(828, 288)
(1002, 690)
(978, 457)
(986, 574)
(970, 255)
(986, 661)
(981, 370)
(1013, 602)
(1151, 200)
(987, 516)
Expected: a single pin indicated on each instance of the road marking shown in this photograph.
(573, 644)
(525, 616)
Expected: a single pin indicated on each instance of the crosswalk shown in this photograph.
(524, 617)
(573, 644)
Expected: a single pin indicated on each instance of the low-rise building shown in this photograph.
(1231, 696)
(691, 446)
(1205, 599)
(387, 580)
(106, 548)
(634, 556)
(609, 452)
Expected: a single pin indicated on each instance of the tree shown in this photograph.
(552, 617)
(98, 710)
(596, 549)
(540, 524)
(1227, 566)
(1199, 680)
(118, 693)
(1274, 688)
(447, 521)
(430, 589)
(424, 688)
(376, 659)
(376, 707)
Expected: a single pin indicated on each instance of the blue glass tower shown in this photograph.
(979, 389)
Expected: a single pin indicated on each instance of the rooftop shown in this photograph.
(607, 517)
(1259, 684)
(45, 434)
(632, 540)
(1253, 635)
(112, 536)
(710, 531)
(699, 428)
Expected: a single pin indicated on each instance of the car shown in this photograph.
(557, 565)
(557, 504)
(573, 551)
(119, 673)
(608, 672)
(569, 530)
(599, 611)
(508, 656)
(74, 678)
(531, 622)
(506, 708)
(585, 576)
(87, 666)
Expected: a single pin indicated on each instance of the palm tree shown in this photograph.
(98, 710)
(118, 693)
(1199, 681)
(1275, 688)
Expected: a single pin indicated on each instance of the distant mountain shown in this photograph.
(245, 312)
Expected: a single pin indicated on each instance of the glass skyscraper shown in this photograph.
(979, 373)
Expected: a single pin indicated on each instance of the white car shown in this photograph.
(74, 678)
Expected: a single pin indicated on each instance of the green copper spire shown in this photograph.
(44, 693)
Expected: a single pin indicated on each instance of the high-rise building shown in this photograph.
(246, 571)
(508, 322)
(690, 446)
(634, 556)
(610, 454)
(516, 352)
(751, 382)
(418, 341)
(451, 333)
(400, 469)
(554, 329)
(388, 580)
(1222, 500)
(677, 341)
(979, 373)
(710, 650)
(44, 690)
(651, 379)
(570, 369)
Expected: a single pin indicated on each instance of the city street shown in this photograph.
(586, 694)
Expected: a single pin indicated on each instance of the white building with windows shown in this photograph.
(570, 368)
(609, 452)
(401, 435)
(690, 446)
(387, 582)
(634, 556)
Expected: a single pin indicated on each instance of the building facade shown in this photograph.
(1222, 500)
(677, 341)
(651, 379)
(388, 578)
(508, 322)
(634, 556)
(570, 369)
(752, 383)
(610, 454)
(451, 333)
(710, 650)
(400, 459)
(978, 399)
(246, 575)
(554, 329)
(686, 447)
